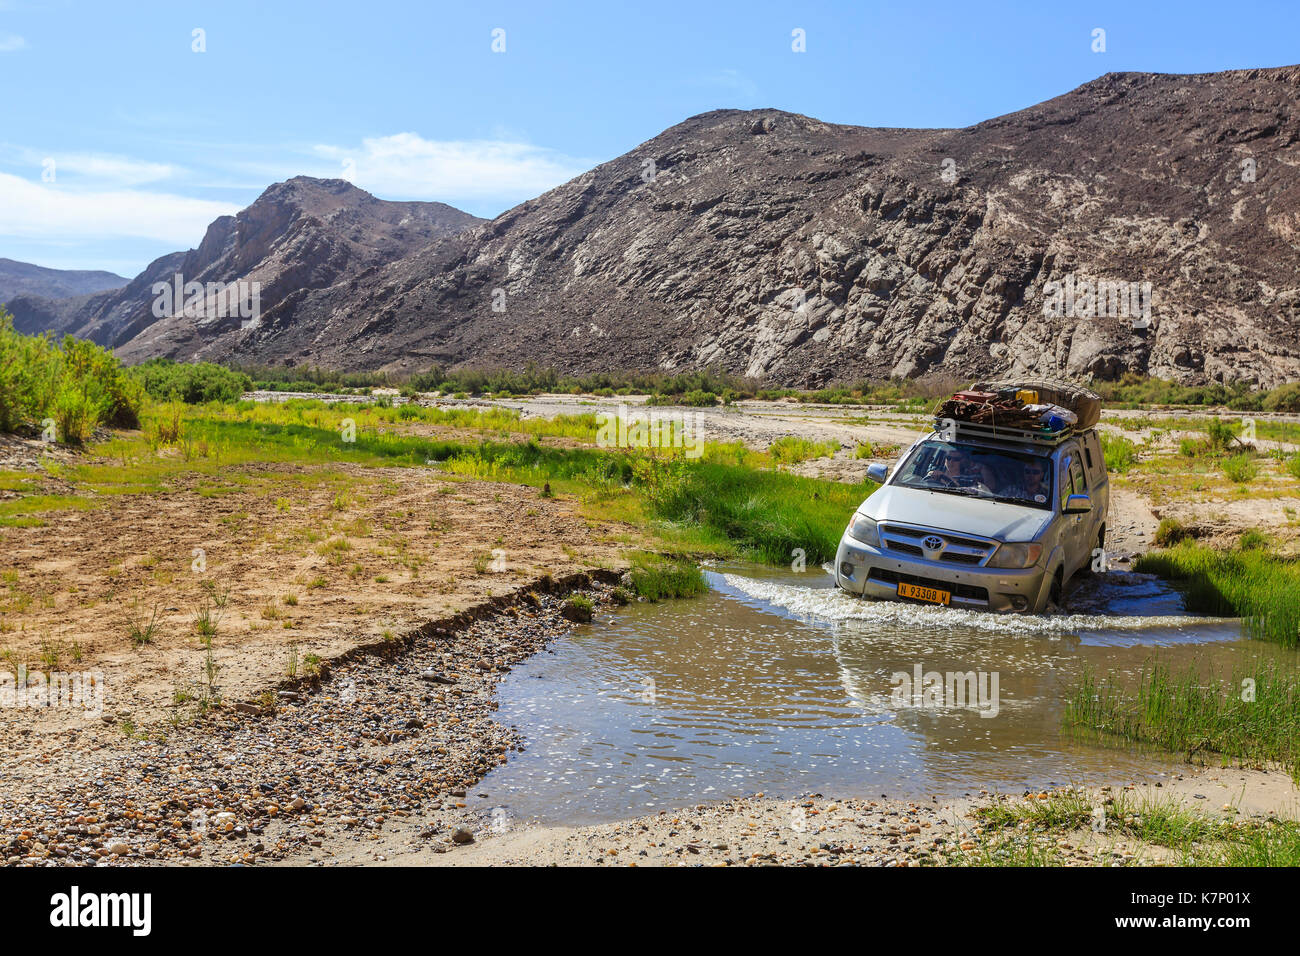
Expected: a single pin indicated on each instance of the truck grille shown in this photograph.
(953, 549)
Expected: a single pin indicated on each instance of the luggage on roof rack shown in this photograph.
(1085, 403)
(952, 429)
(1036, 412)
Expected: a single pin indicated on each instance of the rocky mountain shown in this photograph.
(801, 252)
(24, 279)
(297, 236)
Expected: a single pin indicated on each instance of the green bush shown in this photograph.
(1240, 468)
(194, 383)
(77, 383)
(1221, 434)
(1284, 398)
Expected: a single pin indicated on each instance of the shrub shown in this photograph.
(1221, 434)
(1284, 398)
(76, 382)
(1240, 468)
(194, 383)
(1169, 531)
(77, 409)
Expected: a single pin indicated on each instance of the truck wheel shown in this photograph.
(1058, 586)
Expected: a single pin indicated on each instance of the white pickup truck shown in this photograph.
(976, 518)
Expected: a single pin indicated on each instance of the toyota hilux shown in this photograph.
(978, 519)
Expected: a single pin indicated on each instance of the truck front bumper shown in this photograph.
(874, 573)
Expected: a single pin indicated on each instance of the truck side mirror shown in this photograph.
(1077, 505)
(878, 473)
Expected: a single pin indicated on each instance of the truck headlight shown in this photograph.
(1016, 556)
(864, 529)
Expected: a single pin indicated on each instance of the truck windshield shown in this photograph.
(971, 470)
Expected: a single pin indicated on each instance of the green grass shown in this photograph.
(1134, 391)
(1169, 532)
(1275, 843)
(655, 577)
(1253, 717)
(1119, 452)
(1017, 849)
(25, 512)
(1261, 588)
(1240, 468)
(730, 502)
(1024, 831)
(790, 450)
(767, 515)
(1163, 822)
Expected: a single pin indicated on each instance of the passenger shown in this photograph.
(1034, 485)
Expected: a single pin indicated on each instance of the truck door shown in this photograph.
(1075, 529)
(1071, 528)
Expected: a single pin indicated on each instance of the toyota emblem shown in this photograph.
(933, 543)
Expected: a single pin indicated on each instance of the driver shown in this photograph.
(952, 473)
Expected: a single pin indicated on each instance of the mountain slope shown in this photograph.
(298, 235)
(799, 251)
(24, 279)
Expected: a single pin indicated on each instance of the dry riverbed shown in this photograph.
(363, 617)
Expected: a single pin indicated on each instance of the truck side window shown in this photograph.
(1096, 460)
(1079, 483)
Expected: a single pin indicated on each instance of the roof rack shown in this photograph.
(951, 429)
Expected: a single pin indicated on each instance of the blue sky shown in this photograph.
(151, 140)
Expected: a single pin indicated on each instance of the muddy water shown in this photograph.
(778, 682)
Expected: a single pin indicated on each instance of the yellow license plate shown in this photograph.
(932, 595)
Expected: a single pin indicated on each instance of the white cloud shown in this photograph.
(11, 43)
(96, 169)
(46, 211)
(405, 165)
(105, 168)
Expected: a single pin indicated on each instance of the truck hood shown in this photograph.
(934, 509)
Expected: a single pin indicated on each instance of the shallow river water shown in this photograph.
(777, 682)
